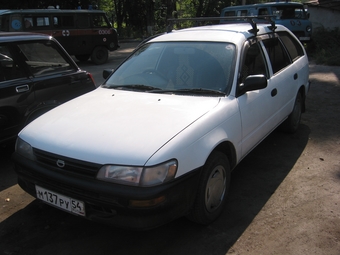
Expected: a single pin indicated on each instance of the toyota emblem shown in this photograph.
(60, 163)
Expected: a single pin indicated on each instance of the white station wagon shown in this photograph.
(159, 138)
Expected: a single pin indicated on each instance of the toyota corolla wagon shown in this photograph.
(159, 138)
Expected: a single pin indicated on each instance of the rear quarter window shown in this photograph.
(293, 47)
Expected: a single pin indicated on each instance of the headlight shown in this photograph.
(308, 29)
(24, 149)
(138, 176)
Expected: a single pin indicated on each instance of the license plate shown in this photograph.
(60, 201)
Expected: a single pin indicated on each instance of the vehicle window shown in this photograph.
(9, 68)
(65, 21)
(263, 11)
(277, 54)
(99, 20)
(253, 63)
(229, 14)
(289, 12)
(179, 65)
(36, 22)
(43, 58)
(293, 47)
(42, 21)
(242, 13)
(28, 22)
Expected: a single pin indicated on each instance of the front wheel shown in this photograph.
(212, 190)
(100, 55)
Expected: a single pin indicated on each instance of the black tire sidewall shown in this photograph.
(199, 212)
(101, 60)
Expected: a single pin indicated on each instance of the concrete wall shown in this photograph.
(325, 17)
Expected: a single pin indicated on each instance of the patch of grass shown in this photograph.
(325, 47)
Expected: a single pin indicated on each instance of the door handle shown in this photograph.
(274, 92)
(295, 76)
(22, 88)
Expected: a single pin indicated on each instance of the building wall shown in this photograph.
(324, 17)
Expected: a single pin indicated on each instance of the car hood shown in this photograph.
(111, 126)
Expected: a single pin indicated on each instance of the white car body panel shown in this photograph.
(121, 128)
(193, 145)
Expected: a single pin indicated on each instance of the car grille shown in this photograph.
(72, 166)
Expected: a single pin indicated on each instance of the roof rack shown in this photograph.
(252, 20)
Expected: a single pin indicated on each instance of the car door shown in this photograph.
(255, 106)
(284, 79)
(15, 92)
(263, 110)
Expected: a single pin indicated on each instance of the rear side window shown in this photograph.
(293, 47)
(64, 21)
(36, 22)
(43, 58)
(277, 54)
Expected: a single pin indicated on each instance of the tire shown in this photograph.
(83, 58)
(292, 123)
(212, 190)
(100, 55)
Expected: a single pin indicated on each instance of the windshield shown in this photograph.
(289, 12)
(177, 66)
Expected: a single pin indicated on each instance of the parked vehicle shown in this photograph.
(159, 138)
(83, 33)
(36, 74)
(289, 14)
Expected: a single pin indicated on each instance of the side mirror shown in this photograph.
(253, 82)
(107, 73)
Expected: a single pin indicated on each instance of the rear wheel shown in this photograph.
(291, 124)
(99, 55)
(212, 190)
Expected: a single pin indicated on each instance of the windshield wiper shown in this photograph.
(192, 91)
(139, 87)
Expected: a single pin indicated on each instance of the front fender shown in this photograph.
(193, 145)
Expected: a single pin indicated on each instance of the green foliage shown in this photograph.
(325, 47)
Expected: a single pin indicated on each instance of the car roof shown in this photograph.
(233, 33)
(22, 36)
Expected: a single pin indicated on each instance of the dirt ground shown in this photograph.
(284, 199)
(303, 214)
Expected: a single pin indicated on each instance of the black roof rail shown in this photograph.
(252, 20)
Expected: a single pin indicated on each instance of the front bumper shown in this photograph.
(111, 203)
